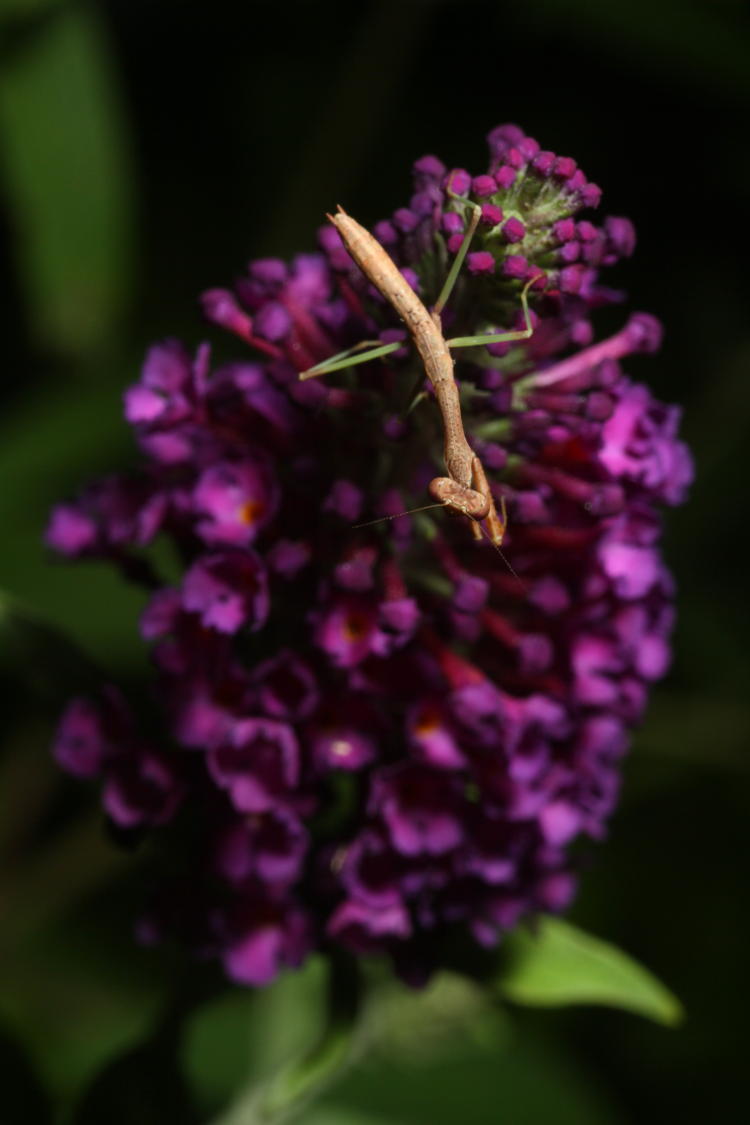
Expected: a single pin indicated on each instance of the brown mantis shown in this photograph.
(465, 490)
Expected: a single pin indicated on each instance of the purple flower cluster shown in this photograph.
(380, 735)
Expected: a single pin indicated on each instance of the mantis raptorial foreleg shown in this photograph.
(475, 502)
(458, 261)
(450, 281)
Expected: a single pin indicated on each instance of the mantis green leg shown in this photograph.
(349, 358)
(458, 261)
(500, 337)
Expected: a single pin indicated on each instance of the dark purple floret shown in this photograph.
(384, 736)
(262, 936)
(227, 590)
(81, 742)
(267, 846)
(337, 746)
(142, 788)
(233, 500)
(287, 688)
(257, 765)
(70, 531)
(419, 809)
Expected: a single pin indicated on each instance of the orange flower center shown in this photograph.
(355, 627)
(250, 511)
(428, 722)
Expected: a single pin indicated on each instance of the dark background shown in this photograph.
(147, 151)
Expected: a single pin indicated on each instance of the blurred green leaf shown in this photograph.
(12, 10)
(77, 989)
(68, 181)
(705, 40)
(336, 1116)
(49, 446)
(40, 657)
(77, 860)
(281, 1094)
(217, 1053)
(307, 1076)
(143, 1086)
(23, 1099)
(698, 730)
(422, 1027)
(557, 964)
(21, 21)
(525, 1083)
(245, 1035)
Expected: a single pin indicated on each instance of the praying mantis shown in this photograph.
(465, 490)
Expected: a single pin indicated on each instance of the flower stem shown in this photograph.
(296, 1085)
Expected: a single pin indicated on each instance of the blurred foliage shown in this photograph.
(63, 146)
(439, 1055)
(147, 149)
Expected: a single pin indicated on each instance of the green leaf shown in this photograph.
(41, 657)
(49, 445)
(24, 1098)
(338, 1116)
(66, 171)
(15, 10)
(242, 1036)
(557, 964)
(144, 1085)
(450, 1017)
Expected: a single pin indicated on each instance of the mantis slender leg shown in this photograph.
(349, 358)
(495, 523)
(501, 337)
(458, 261)
(450, 281)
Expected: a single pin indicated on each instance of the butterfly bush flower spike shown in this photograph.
(383, 737)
